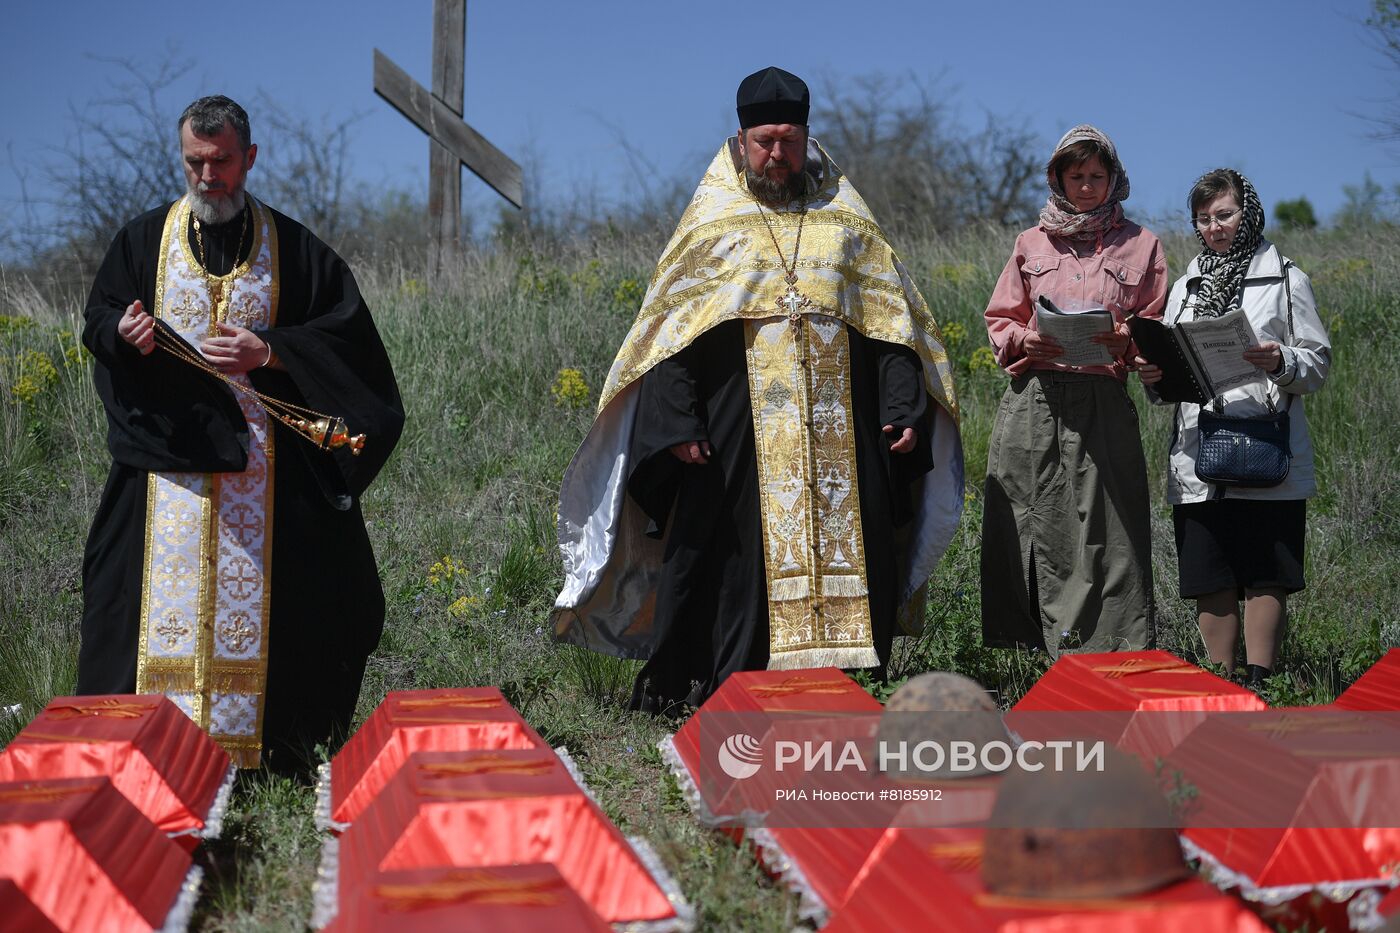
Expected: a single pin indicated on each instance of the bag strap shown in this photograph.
(1217, 404)
(1288, 328)
(1288, 293)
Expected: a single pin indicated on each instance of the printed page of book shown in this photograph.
(1072, 329)
(1219, 344)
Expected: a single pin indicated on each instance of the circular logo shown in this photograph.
(740, 756)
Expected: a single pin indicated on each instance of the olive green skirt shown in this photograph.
(1066, 534)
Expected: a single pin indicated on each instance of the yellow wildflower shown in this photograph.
(14, 324)
(34, 372)
(462, 605)
(629, 292)
(75, 355)
(953, 334)
(569, 389)
(982, 358)
(444, 571)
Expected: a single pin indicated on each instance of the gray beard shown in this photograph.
(214, 211)
(777, 193)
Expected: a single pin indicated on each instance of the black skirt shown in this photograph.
(1239, 544)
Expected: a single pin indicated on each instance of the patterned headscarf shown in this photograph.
(1059, 217)
(1223, 273)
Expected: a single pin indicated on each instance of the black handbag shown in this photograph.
(1243, 451)
(1246, 451)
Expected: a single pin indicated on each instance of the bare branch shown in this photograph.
(914, 165)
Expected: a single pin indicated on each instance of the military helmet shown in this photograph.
(1077, 834)
(940, 707)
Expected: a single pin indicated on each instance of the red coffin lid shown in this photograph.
(518, 898)
(817, 862)
(87, 859)
(1378, 688)
(1171, 696)
(930, 879)
(153, 753)
(490, 808)
(1291, 797)
(800, 700)
(408, 721)
(807, 690)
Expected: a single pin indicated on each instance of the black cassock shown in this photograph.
(326, 608)
(712, 600)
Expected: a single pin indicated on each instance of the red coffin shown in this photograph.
(85, 859)
(1158, 699)
(930, 879)
(153, 753)
(1378, 688)
(1296, 808)
(517, 898)
(799, 702)
(492, 808)
(817, 862)
(822, 862)
(408, 721)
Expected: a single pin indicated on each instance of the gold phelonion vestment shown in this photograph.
(720, 265)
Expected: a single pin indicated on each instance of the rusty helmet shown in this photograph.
(1077, 834)
(940, 707)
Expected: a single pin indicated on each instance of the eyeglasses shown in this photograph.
(1219, 217)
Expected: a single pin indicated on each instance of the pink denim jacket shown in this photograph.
(1128, 274)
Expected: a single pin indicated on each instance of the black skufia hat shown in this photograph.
(772, 96)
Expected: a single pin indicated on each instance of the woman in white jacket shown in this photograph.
(1241, 542)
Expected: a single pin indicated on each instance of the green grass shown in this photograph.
(475, 479)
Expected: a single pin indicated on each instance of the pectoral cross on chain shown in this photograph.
(793, 302)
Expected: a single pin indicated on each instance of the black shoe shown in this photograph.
(1257, 676)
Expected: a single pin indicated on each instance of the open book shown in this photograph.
(1072, 330)
(1199, 359)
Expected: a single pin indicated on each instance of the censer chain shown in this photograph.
(325, 431)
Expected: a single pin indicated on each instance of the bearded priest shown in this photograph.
(228, 566)
(775, 467)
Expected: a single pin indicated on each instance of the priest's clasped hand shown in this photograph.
(235, 350)
(692, 452)
(906, 441)
(137, 327)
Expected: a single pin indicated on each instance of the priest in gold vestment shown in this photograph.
(775, 467)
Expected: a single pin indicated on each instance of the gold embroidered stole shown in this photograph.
(206, 580)
(804, 439)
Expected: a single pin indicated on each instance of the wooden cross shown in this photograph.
(451, 143)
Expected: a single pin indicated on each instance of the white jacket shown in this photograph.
(1306, 359)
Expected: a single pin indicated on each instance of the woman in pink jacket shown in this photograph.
(1066, 552)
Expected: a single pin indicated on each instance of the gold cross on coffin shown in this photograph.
(792, 303)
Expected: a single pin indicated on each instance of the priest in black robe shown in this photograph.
(228, 565)
(776, 466)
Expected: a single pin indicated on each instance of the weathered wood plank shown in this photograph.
(449, 51)
(444, 168)
(433, 117)
(444, 204)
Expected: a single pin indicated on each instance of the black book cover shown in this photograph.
(1158, 345)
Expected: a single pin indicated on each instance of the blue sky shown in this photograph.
(591, 90)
